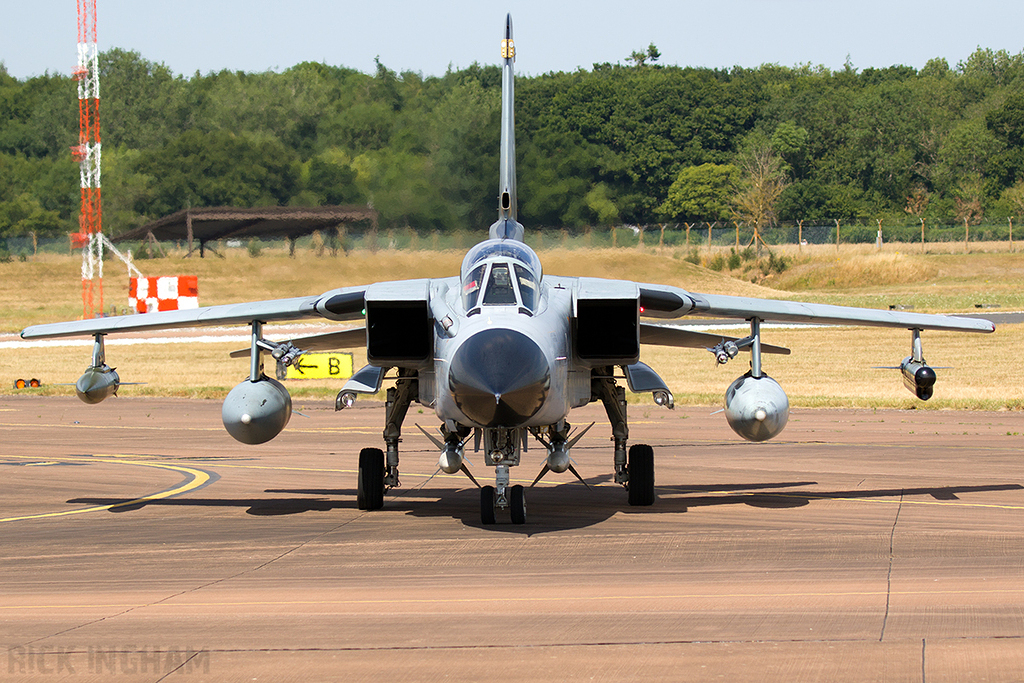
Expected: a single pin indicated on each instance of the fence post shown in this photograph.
(837, 235)
(878, 239)
(1011, 233)
(800, 235)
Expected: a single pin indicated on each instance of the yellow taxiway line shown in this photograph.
(197, 478)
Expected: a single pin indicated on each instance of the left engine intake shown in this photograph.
(256, 412)
(756, 407)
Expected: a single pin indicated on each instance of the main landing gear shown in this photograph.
(378, 473)
(633, 467)
(635, 470)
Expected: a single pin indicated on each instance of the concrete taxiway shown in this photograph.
(140, 540)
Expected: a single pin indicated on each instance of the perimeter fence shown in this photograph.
(689, 236)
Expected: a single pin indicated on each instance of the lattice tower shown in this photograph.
(87, 152)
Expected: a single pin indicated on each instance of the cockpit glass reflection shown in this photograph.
(499, 286)
(527, 287)
(471, 287)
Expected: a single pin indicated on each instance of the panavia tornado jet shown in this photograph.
(503, 352)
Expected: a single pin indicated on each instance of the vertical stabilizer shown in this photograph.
(506, 226)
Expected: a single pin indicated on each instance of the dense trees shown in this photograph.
(638, 143)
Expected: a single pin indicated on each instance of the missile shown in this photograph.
(451, 459)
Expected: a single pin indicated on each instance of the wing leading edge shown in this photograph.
(663, 301)
(340, 304)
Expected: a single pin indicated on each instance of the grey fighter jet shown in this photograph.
(503, 352)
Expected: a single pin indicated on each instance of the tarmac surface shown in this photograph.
(140, 542)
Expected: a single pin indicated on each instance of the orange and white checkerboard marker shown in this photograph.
(170, 293)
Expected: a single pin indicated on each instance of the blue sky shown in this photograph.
(188, 35)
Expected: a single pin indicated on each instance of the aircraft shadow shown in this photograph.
(565, 506)
(261, 507)
(791, 499)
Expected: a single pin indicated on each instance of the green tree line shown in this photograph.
(638, 143)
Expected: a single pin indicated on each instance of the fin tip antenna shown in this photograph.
(507, 226)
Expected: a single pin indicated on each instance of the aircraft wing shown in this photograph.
(662, 301)
(339, 304)
(329, 341)
(660, 335)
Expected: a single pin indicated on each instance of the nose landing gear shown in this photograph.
(502, 451)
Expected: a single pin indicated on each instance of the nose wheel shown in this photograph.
(513, 498)
(517, 504)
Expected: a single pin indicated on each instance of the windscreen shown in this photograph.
(499, 287)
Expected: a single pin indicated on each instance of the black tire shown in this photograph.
(487, 505)
(517, 504)
(641, 474)
(370, 485)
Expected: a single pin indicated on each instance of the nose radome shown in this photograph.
(499, 378)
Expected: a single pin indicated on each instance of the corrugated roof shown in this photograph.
(207, 224)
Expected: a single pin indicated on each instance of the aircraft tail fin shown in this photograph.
(507, 227)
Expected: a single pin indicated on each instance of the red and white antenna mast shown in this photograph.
(88, 155)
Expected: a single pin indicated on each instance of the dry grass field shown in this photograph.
(829, 366)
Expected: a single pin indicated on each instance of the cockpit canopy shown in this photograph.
(504, 272)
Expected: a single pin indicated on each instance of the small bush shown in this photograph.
(693, 257)
(735, 260)
(777, 264)
(255, 248)
(717, 263)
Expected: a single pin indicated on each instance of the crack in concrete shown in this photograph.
(888, 578)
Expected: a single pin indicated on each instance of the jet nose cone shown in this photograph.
(499, 378)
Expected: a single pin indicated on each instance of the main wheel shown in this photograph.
(370, 488)
(517, 504)
(641, 474)
(487, 505)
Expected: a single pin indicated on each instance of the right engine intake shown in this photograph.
(756, 407)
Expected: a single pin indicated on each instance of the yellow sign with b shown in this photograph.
(335, 365)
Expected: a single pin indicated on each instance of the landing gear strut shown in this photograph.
(377, 472)
(502, 451)
(635, 470)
